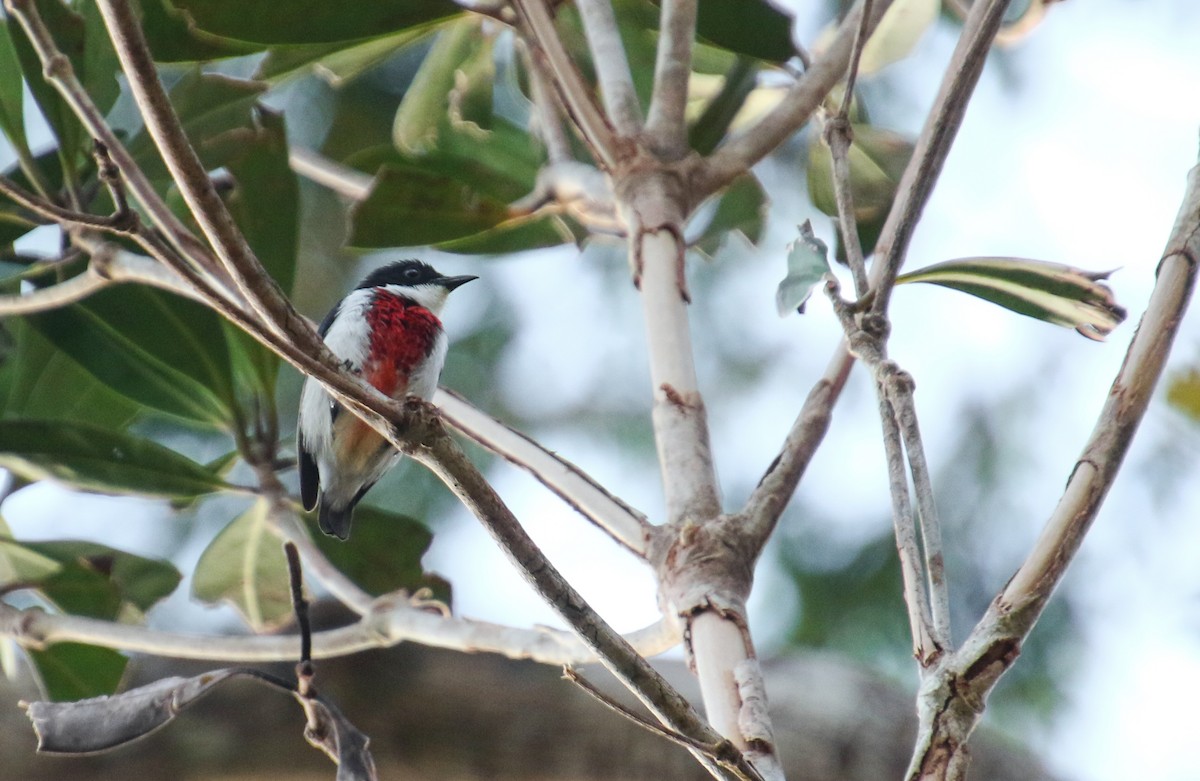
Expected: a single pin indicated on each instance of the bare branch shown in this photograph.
(342, 179)
(621, 522)
(770, 497)
(612, 66)
(548, 121)
(736, 155)
(666, 126)
(74, 289)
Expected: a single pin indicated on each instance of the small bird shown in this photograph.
(386, 330)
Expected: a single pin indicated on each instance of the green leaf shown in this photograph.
(245, 565)
(310, 21)
(517, 235)
(741, 209)
(1183, 392)
(12, 111)
(135, 580)
(98, 65)
(95, 459)
(877, 161)
(1051, 292)
(72, 671)
(48, 384)
(713, 123)
(754, 28)
(897, 33)
(384, 553)
(337, 63)
(172, 39)
(808, 263)
(209, 105)
(459, 48)
(410, 207)
(150, 347)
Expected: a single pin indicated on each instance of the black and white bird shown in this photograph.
(387, 330)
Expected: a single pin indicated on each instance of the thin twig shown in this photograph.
(666, 126)
(612, 65)
(118, 222)
(549, 122)
(613, 516)
(933, 145)
(299, 603)
(544, 42)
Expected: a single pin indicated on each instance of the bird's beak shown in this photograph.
(452, 282)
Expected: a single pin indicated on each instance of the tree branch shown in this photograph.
(576, 95)
(951, 703)
(621, 522)
(612, 65)
(666, 126)
(933, 145)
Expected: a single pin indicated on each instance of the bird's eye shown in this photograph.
(412, 273)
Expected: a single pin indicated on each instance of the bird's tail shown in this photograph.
(334, 520)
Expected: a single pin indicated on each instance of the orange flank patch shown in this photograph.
(356, 443)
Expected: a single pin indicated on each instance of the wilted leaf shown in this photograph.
(808, 263)
(245, 566)
(71, 671)
(1045, 291)
(96, 459)
(101, 723)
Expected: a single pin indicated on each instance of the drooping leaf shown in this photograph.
(384, 553)
(95, 459)
(149, 346)
(73, 671)
(424, 108)
(310, 21)
(742, 208)
(246, 567)
(1051, 292)
(808, 263)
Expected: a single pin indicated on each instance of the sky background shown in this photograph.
(1074, 150)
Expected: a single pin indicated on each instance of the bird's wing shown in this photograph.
(310, 478)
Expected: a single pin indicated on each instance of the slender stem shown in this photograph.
(933, 145)
(576, 95)
(666, 126)
(61, 75)
(342, 179)
(739, 153)
(74, 289)
(549, 123)
(116, 223)
(900, 391)
(624, 524)
(766, 503)
(612, 65)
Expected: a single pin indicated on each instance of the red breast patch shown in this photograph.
(402, 335)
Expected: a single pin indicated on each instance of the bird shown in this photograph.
(387, 331)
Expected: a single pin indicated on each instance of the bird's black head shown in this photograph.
(410, 273)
